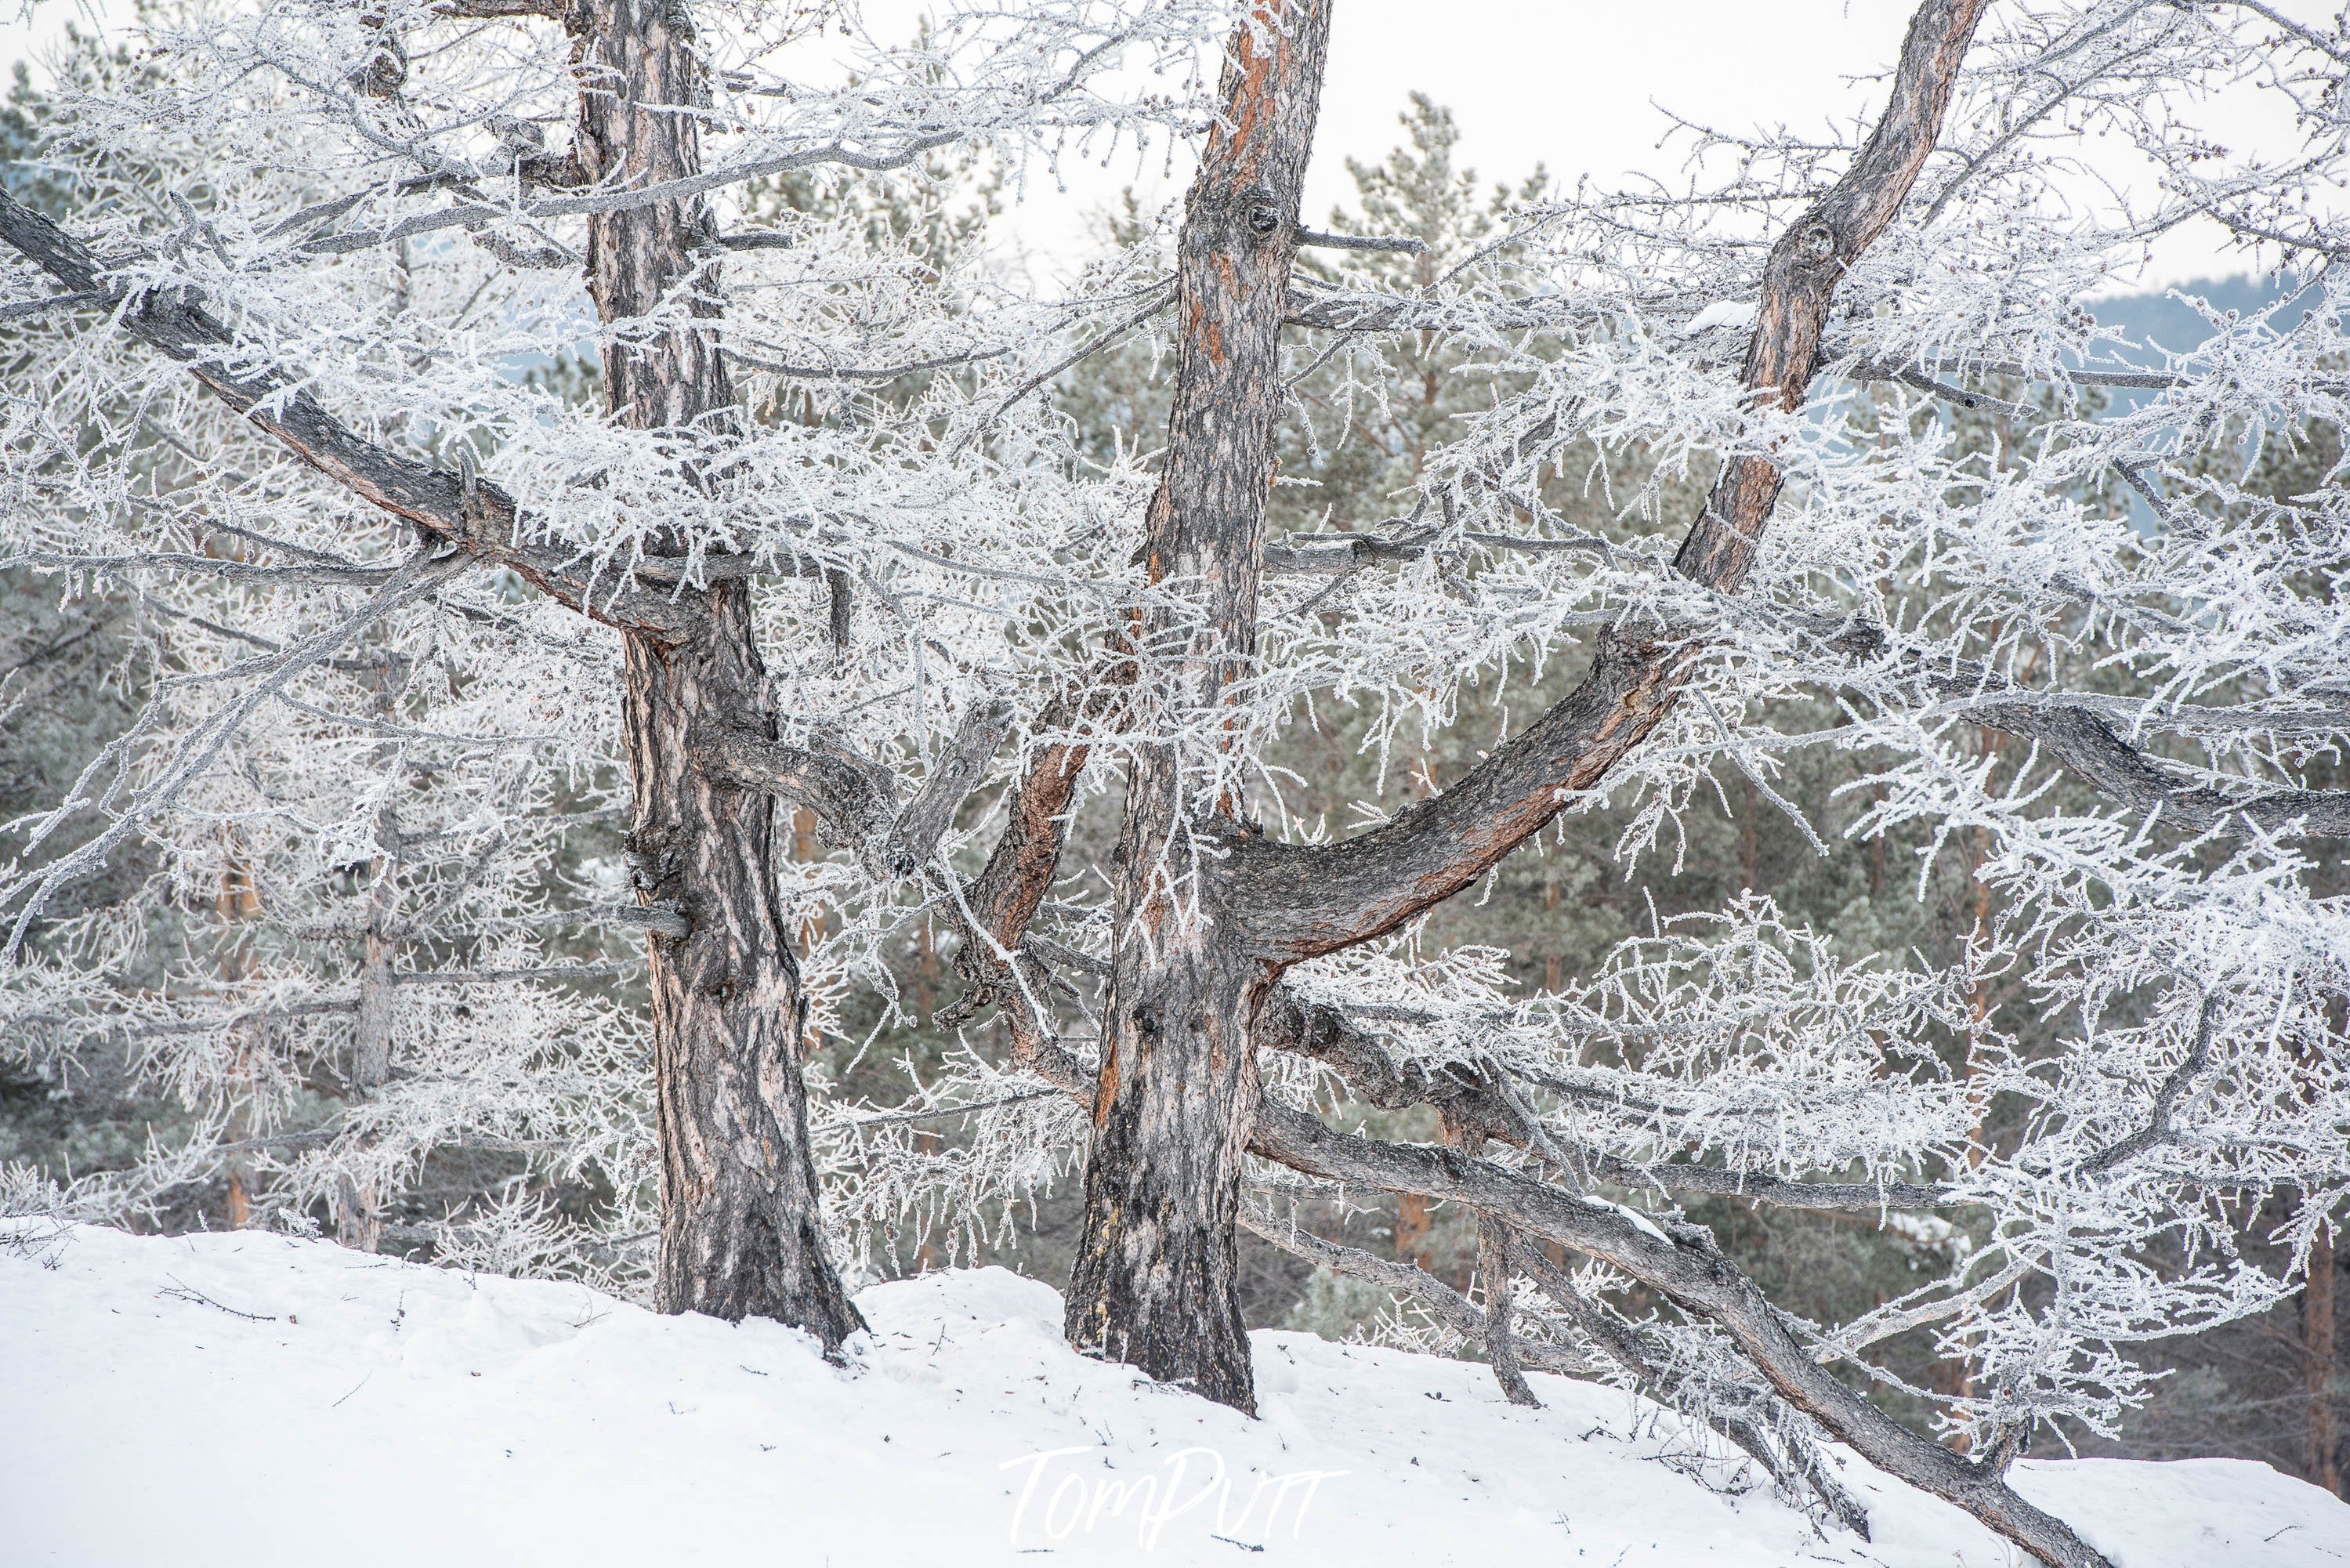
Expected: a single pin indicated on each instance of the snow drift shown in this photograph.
(257, 1400)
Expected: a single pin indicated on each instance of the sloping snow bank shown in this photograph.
(245, 1399)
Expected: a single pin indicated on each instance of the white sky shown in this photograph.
(1572, 84)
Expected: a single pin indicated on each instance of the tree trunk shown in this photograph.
(1155, 1283)
(2319, 1363)
(1415, 1221)
(358, 1219)
(1468, 1135)
(742, 1233)
(239, 900)
(1156, 1280)
(1500, 1345)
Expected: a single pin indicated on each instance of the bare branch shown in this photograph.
(19, 309)
(1399, 244)
(854, 798)
(476, 516)
(2077, 734)
(306, 575)
(2157, 1129)
(1504, 1350)
(1800, 1469)
(1373, 312)
(860, 373)
(196, 753)
(1921, 375)
(1800, 279)
(913, 838)
(1299, 901)
(486, 10)
(1683, 1263)
(1324, 1033)
(1003, 898)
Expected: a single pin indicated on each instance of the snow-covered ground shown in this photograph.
(253, 1400)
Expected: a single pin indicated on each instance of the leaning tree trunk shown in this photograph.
(741, 1232)
(1155, 1283)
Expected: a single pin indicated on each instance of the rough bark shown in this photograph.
(1503, 1348)
(1155, 1283)
(914, 836)
(1156, 1278)
(853, 798)
(742, 1233)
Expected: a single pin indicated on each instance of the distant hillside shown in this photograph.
(2160, 321)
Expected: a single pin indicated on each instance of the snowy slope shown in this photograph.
(371, 1411)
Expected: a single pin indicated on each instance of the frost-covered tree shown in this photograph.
(884, 577)
(2125, 718)
(409, 616)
